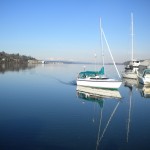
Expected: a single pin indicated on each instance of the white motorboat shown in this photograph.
(144, 72)
(131, 69)
(144, 77)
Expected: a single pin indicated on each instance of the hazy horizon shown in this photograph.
(70, 30)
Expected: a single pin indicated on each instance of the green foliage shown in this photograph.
(14, 58)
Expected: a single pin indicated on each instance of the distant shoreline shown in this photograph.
(75, 62)
(22, 59)
(14, 58)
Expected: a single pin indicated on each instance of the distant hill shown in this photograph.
(127, 62)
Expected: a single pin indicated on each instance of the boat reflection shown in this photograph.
(98, 95)
(144, 90)
(129, 112)
(133, 83)
(15, 67)
(130, 82)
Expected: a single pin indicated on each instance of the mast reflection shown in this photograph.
(99, 95)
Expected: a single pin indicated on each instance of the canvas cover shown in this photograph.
(91, 73)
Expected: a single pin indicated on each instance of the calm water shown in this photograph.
(41, 109)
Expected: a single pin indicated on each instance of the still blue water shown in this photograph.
(41, 109)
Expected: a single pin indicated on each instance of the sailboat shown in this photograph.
(98, 79)
(133, 65)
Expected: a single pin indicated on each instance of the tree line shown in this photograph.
(14, 58)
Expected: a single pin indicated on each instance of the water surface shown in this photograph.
(40, 108)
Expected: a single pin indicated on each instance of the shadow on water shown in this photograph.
(73, 82)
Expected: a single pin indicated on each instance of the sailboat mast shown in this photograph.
(102, 43)
(132, 34)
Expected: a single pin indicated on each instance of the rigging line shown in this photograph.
(110, 53)
(129, 120)
(99, 131)
(109, 121)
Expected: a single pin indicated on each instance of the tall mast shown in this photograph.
(132, 34)
(102, 42)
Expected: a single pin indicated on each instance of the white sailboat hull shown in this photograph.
(96, 79)
(100, 83)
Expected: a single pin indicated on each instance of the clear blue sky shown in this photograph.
(69, 29)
